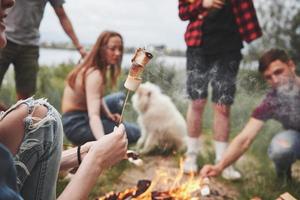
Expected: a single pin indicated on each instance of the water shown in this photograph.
(53, 57)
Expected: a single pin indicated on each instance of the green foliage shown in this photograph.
(295, 39)
(51, 83)
(280, 25)
(7, 94)
(251, 81)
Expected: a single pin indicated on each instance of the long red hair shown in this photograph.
(96, 59)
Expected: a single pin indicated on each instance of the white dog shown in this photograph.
(161, 123)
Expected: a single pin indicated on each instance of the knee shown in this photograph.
(222, 109)
(282, 147)
(280, 154)
(198, 105)
(120, 95)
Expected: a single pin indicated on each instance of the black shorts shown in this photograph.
(220, 70)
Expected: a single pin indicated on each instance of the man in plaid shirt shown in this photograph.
(214, 39)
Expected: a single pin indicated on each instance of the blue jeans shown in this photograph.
(38, 158)
(77, 128)
(284, 150)
(8, 176)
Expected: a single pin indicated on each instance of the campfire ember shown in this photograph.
(164, 187)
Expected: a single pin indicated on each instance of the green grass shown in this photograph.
(259, 176)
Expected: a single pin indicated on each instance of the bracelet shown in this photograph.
(78, 155)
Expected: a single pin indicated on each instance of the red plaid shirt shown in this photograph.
(243, 11)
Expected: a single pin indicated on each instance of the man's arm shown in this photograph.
(68, 28)
(237, 147)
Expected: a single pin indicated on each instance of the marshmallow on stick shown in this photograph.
(139, 61)
(134, 79)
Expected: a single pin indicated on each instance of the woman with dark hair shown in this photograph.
(87, 115)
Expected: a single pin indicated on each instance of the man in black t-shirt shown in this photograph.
(282, 103)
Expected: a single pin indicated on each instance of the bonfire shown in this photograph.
(165, 186)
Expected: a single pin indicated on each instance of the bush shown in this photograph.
(51, 83)
(251, 81)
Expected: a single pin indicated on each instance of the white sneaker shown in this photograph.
(231, 174)
(190, 164)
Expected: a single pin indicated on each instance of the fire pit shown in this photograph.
(161, 179)
(164, 186)
(142, 192)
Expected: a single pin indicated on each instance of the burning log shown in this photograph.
(141, 192)
(161, 196)
(128, 194)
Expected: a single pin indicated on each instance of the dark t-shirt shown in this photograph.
(220, 31)
(284, 108)
(24, 19)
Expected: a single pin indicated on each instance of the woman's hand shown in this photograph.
(82, 51)
(111, 148)
(115, 117)
(103, 153)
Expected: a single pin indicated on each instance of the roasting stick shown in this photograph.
(124, 105)
(139, 61)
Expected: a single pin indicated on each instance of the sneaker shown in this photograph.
(190, 164)
(231, 174)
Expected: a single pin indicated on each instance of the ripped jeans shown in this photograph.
(284, 150)
(38, 158)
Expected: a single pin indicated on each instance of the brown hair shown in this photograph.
(96, 59)
(270, 56)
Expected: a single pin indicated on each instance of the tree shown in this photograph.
(280, 22)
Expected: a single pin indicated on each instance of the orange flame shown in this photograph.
(166, 184)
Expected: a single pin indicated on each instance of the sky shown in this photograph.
(141, 22)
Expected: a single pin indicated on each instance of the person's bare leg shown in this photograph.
(12, 126)
(194, 117)
(221, 124)
(194, 124)
(221, 128)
